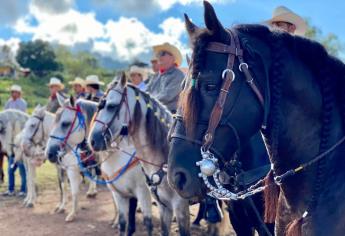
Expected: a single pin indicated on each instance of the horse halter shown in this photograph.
(78, 115)
(107, 125)
(209, 164)
(40, 123)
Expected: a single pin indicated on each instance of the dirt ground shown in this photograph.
(93, 217)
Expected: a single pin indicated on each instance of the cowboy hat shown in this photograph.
(171, 49)
(284, 14)
(16, 88)
(55, 81)
(77, 80)
(93, 79)
(139, 70)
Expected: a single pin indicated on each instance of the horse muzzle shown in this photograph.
(98, 141)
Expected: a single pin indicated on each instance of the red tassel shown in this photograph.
(294, 228)
(271, 195)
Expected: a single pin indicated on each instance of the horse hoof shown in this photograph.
(29, 205)
(114, 225)
(70, 218)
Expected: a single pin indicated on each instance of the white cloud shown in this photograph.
(129, 38)
(66, 28)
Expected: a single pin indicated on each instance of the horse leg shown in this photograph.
(60, 208)
(31, 191)
(166, 215)
(92, 191)
(181, 211)
(74, 180)
(133, 203)
(144, 198)
(123, 204)
(239, 219)
(114, 221)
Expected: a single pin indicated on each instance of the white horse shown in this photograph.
(11, 124)
(119, 165)
(33, 140)
(126, 108)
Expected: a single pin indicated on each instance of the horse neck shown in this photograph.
(48, 122)
(144, 150)
(299, 129)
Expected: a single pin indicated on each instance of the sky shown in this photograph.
(124, 30)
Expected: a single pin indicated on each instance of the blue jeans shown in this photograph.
(12, 170)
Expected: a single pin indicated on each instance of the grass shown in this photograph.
(46, 177)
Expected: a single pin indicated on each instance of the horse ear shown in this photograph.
(71, 101)
(211, 19)
(190, 26)
(60, 98)
(123, 79)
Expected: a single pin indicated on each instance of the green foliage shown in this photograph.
(330, 41)
(39, 56)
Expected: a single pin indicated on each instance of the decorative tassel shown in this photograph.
(271, 195)
(294, 228)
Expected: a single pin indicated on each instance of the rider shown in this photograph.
(138, 76)
(167, 85)
(78, 85)
(55, 86)
(285, 19)
(18, 103)
(152, 78)
(93, 88)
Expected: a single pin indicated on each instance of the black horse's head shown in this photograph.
(243, 112)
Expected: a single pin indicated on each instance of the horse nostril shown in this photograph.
(180, 180)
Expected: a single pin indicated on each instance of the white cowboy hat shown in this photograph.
(169, 48)
(93, 79)
(55, 81)
(77, 80)
(16, 88)
(139, 70)
(284, 14)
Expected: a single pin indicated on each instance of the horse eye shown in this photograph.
(211, 87)
(32, 126)
(65, 124)
(111, 106)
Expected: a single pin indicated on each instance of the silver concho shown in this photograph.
(207, 167)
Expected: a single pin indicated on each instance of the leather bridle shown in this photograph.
(40, 124)
(234, 51)
(107, 125)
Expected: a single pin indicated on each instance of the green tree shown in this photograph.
(330, 41)
(39, 56)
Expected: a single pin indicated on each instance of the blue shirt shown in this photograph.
(18, 104)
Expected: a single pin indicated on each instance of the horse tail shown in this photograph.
(294, 228)
(271, 195)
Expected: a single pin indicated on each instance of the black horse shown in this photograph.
(303, 92)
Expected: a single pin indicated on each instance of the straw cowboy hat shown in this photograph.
(93, 79)
(284, 14)
(169, 48)
(77, 80)
(16, 88)
(55, 81)
(139, 70)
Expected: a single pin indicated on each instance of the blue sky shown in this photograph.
(125, 30)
